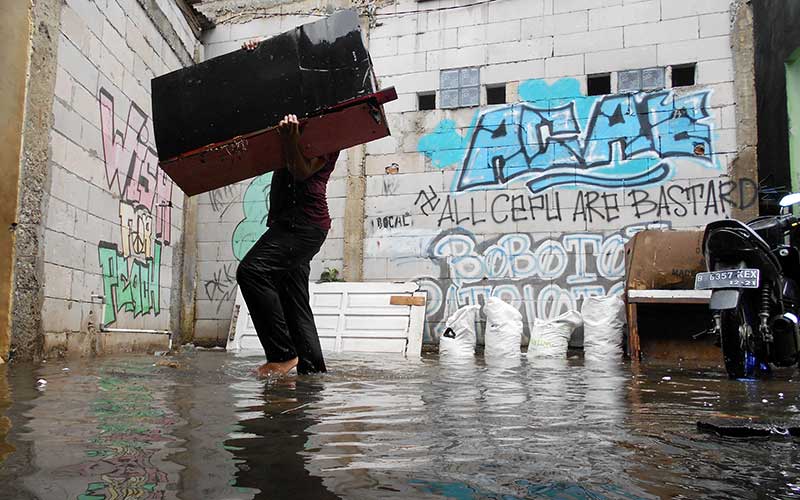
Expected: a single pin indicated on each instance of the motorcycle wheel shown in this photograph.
(739, 363)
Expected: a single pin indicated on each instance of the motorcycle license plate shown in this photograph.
(734, 278)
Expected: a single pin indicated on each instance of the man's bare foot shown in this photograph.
(270, 370)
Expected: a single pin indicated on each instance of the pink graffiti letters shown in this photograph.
(131, 269)
(132, 165)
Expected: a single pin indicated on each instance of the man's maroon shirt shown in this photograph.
(292, 201)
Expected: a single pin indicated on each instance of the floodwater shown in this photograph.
(384, 427)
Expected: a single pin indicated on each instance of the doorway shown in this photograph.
(793, 111)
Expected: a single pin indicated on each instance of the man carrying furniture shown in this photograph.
(274, 275)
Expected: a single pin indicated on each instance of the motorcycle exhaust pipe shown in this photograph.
(784, 339)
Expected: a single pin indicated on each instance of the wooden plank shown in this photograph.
(669, 301)
(634, 347)
(669, 296)
(405, 300)
(221, 164)
(416, 326)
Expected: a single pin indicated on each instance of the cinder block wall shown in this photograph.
(530, 199)
(231, 219)
(113, 220)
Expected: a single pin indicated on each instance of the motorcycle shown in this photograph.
(753, 274)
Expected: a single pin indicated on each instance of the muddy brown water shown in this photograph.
(385, 427)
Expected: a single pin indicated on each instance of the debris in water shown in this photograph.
(169, 363)
(41, 383)
(666, 378)
(764, 401)
(65, 369)
(745, 428)
(294, 409)
(161, 353)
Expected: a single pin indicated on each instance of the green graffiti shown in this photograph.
(132, 427)
(134, 288)
(254, 224)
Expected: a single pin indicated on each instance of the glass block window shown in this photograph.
(653, 78)
(460, 88)
(629, 81)
(635, 80)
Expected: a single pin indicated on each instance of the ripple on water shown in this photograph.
(383, 427)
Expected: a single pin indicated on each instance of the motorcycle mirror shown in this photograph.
(790, 199)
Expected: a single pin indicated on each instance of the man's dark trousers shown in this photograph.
(273, 278)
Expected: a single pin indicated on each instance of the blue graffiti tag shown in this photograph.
(558, 138)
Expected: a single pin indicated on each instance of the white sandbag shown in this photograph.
(503, 329)
(550, 337)
(458, 339)
(602, 327)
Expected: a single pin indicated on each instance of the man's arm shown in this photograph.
(298, 165)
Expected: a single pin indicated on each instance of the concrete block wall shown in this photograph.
(113, 225)
(533, 200)
(231, 219)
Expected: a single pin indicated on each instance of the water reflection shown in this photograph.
(107, 431)
(269, 437)
(380, 427)
(6, 448)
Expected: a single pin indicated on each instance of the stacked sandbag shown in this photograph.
(550, 337)
(503, 329)
(458, 339)
(602, 327)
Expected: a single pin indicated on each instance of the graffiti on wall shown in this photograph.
(131, 268)
(546, 272)
(256, 207)
(556, 137)
(543, 277)
(570, 179)
(220, 287)
(706, 198)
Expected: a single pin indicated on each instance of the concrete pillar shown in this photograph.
(745, 165)
(189, 274)
(26, 322)
(353, 268)
(354, 215)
